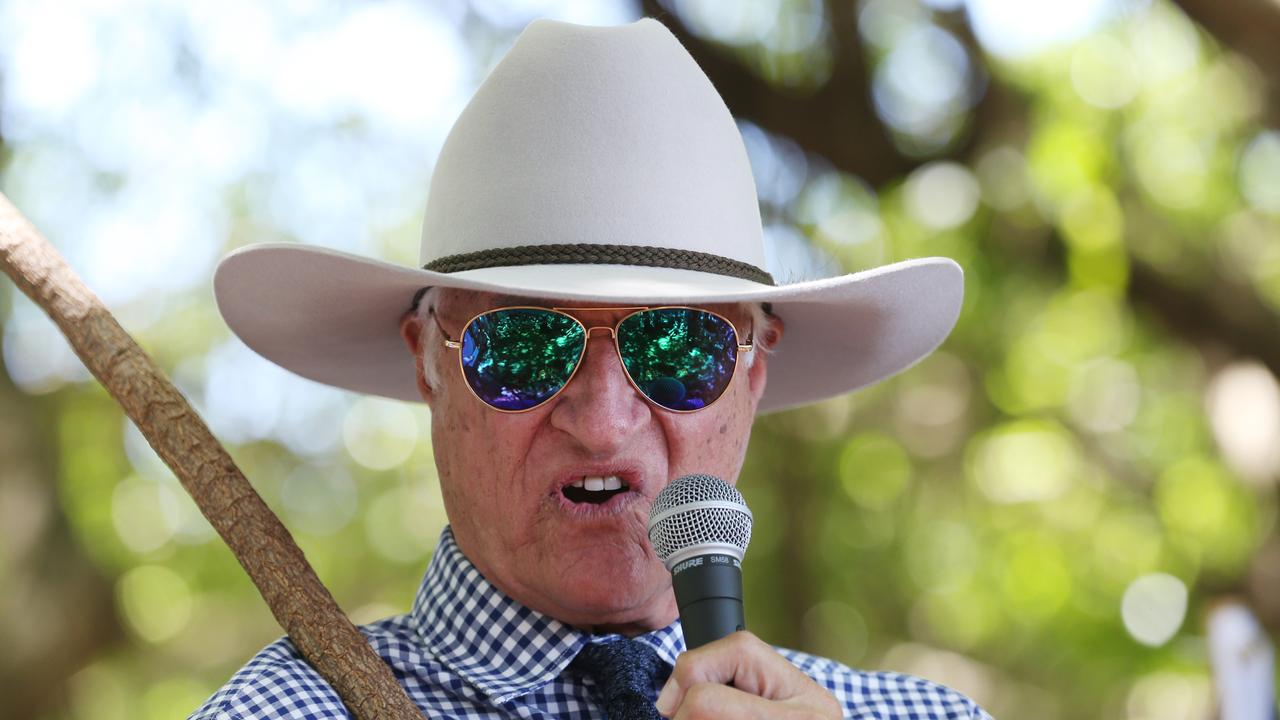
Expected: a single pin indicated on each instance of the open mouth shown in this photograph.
(594, 489)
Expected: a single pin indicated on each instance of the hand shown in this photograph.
(765, 684)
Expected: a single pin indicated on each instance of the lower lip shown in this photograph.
(615, 505)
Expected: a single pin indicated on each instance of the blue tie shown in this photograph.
(625, 672)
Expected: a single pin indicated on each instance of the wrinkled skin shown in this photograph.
(501, 473)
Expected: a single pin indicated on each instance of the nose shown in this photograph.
(599, 408)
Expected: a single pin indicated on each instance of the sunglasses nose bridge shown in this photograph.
(606, 328)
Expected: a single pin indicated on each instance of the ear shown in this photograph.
(411, 330)
(766, 340)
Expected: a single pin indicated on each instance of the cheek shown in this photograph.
(456, 435)
(480, 453)
(714, 444)
(733, 422)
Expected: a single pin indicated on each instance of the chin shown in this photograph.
(605, 588)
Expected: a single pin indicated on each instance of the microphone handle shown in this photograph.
(709, 594)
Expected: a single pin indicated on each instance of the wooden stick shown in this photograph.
(300, 602)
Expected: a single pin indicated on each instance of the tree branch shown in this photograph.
(1224, 314)
(836, 122)
(297, 598)
(1250, 28)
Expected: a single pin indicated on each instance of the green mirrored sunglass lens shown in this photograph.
(680, 358)
(516, 359)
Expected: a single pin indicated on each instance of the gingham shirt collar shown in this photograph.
(495, 643)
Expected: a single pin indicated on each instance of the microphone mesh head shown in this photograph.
(688, 524)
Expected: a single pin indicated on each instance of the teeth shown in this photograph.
(596, 483)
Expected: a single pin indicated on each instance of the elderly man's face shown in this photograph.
(502, 475)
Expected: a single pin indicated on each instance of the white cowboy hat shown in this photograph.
(593, 163)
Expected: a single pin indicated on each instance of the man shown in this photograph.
(592, 320)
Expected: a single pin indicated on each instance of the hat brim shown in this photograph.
(334, 317)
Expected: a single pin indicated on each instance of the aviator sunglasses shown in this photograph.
(516, 358)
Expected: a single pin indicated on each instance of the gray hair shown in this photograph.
(431, 340)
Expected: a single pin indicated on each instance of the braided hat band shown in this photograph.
(600, 254)
(581, 136)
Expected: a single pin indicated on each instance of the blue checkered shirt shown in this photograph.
(466, 650)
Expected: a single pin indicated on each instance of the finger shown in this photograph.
(707, 701)
(742, 659)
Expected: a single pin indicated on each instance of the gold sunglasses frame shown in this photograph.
(449, 343)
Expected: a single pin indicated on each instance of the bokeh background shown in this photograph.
(1039, 514)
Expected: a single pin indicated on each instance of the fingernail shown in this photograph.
(666, 698)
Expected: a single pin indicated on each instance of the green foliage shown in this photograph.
(977, 519)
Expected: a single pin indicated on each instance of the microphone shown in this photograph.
(699, 526)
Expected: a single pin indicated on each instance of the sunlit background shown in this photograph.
(1040, 514)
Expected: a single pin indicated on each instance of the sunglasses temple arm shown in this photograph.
(448, 342)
